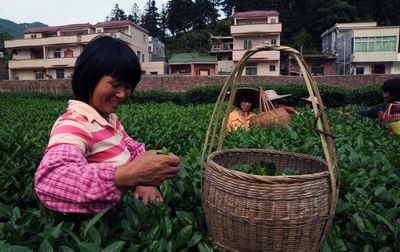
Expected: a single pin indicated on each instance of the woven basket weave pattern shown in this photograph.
(271, 118)
(265, 213)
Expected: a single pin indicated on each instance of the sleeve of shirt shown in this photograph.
(288, 109)
(372, 112)
(66, 182)
(135, 148)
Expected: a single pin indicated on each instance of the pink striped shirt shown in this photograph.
(76, 173)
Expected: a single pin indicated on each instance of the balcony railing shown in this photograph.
(263, 55)
(59, 62)
(15, 64)
(256, 28)
(42, 41)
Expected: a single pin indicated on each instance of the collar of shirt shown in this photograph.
(90, 113)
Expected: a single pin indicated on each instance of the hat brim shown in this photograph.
(280, 97)
(309, 100)
(254, 91)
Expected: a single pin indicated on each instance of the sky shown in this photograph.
(64, 12)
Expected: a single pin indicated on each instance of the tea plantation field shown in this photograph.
(367, 216)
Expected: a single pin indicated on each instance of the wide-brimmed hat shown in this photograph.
(253, 91)
(309, 99)
(272, 95)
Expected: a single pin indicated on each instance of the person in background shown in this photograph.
(391, 94)
(274, 97)
(90, 159)
(309, 102)
(246, 99)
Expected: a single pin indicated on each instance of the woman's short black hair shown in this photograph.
(246, 97)
(392, 86)
(104, 56)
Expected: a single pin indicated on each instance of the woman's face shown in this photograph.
(108, 95)
(386, 97)
(245, 106)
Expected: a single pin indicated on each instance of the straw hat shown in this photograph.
(272, 95)
(253, 91)
(309, 99)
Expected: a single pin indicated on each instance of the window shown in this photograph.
(142, 57)
(273, 41)
(60, 73)
(377, 69)
(39, 75)
(149, 48)
(375, 44)
(359, 70)
(57, 52)
(68, 53)
(144, 39)
(248, 44)
(251, 68)
(99, 31)
(33, 36)
(138, 54)
(272, 68)
(273, 20)
(36, 54)
(153, 73)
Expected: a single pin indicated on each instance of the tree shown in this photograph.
(136, 14)
(151, 20)
(5, 36)
(117, 14)
(205, 13)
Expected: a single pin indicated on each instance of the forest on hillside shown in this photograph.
(185, 25)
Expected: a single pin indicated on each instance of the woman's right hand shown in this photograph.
(148, 169)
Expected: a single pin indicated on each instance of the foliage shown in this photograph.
(16, 30)
(367, 216)
(151, 20)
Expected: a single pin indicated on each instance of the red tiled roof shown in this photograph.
(57, 28)
(256, 13)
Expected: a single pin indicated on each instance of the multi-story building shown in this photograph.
(254, 28)
(51, 52)
(363, 48)
(250, 29)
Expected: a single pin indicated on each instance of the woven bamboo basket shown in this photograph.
(269, 116)
(245, 212)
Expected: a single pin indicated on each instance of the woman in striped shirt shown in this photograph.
(90, 158)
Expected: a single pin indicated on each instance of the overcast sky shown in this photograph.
(64, 12)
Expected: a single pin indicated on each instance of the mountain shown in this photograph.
(17, 30)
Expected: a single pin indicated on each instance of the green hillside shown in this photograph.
(16, 30)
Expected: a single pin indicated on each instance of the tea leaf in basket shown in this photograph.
(290, 171)
(270, 168)
(241, 167)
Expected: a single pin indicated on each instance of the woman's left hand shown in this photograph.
(147, 193)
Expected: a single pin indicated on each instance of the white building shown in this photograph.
(363, 48)
(51, 52)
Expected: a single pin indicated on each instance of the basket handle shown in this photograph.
(265, 103)
(387, 112)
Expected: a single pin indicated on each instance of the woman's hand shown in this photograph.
(344, 113)
(147, 193)
(148, 169)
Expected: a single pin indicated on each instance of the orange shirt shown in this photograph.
(234, 121)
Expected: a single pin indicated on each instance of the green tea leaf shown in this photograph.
(94, 220)
(183, 236)
(166, 226)
(116, 246)
(270, 167)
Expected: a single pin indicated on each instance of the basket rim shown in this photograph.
(267, 179)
